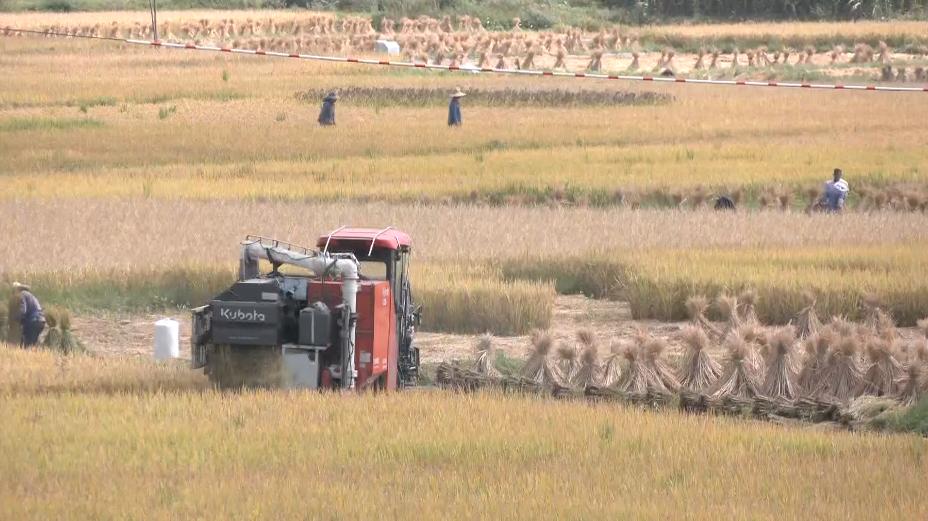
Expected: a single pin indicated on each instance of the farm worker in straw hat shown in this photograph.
(327, 114)
(836, 192)
(454, 108)
(30, 314)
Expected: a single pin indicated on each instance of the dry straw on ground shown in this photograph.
(698, 371)
(486, 356)
(590, 370)
(782, 366)
(740, 374)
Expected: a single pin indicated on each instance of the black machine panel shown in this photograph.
(246, 323)
(315, 325)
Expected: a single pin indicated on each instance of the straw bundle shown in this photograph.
(842, 378)
(923, 327)
(640, 377)
(746, 307)
(739, 377)
(816, 348)
(590, 371)
(883, 375)
(877, 319)
(728, 307)
(653, 349)
(807, 322)
(538, 368)
(698, 371)
(696, 307)
(612, 370)
(486, 354)
(568, 364)
(781, 378)
(914, 382)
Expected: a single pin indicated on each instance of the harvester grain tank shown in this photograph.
(339, 316)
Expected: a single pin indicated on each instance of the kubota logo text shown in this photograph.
(242, 316)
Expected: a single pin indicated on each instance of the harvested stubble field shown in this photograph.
(192, 453)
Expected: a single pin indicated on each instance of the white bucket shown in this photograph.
(387, 46)
(167, 339)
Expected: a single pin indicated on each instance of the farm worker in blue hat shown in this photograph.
(454, 108)
(30, 314)
(836, 192)
(327, 114)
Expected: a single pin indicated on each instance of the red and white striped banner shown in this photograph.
(474, 69)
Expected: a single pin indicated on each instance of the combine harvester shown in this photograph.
(345, 321)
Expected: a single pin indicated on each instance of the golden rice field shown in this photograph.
(144, 167)
(186, 452)
(128, 176)
(95, 119)
(494, 268)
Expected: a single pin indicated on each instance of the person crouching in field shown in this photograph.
(836, 192)
(327, 114)
(30, 315)
(454, 109)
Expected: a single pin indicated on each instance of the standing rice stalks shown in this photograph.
(696, 307)
(590, 371)
(781, 378)
(807, 322)
(884, 372)
(698, 371)
(739, 378)
(486, 355)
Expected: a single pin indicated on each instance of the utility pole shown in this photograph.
(153, 4)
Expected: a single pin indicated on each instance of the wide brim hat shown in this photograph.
(20, 285)
(458, 93)
(332, 96)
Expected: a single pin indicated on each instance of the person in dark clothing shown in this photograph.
(327, 114)
(30, 315)
(454, 109)
(724, 203)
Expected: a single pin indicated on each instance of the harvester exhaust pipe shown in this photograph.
(320, 264)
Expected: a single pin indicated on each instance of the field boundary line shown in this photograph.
(479, 70)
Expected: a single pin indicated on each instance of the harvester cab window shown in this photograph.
(373, 270)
